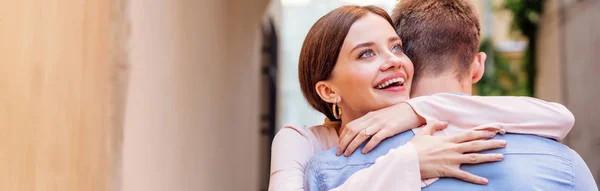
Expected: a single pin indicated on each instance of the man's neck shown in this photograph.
(443, 83)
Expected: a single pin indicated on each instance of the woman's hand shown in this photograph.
(378, 125)
(441, 156)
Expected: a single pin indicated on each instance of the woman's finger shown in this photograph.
(342, 134)
(350, 124)
(471, 135)
(466, 176)
(376, 139)
(480, 145)
(432, 127)
(345, 139)
(474, 158)
(358, 140)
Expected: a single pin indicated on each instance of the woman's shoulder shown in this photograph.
(318, 137)
(309, 133)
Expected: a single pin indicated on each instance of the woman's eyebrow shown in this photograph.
(366, 44)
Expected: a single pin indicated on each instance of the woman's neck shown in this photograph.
(347, 117)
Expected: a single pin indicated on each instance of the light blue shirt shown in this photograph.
(530, 163)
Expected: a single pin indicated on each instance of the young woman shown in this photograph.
(352, 61)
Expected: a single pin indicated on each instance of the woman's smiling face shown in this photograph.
(371, 71)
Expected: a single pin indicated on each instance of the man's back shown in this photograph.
(530, 163)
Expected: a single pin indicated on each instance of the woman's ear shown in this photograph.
(478, 67)
(326, 92)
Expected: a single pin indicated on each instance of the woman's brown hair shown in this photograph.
(322, 46)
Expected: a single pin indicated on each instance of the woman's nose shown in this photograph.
(392, 62)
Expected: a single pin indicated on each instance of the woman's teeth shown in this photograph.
(385, 84)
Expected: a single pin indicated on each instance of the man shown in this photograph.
(442, 39)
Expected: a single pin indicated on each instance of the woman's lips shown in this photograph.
(395, 89)
(398, 75)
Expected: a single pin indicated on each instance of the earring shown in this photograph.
(337, 111)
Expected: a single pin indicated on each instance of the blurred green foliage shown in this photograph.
(526, 16)
(500, 76)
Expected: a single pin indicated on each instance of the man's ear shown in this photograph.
(478, 67)
(326, 92)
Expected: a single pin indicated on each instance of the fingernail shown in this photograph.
(484, 180)
(499, 157)
(503, 143)
(491, 134)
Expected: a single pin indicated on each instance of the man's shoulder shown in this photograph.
(532, 144)
(328, 158)
(324, 158)
(325, 170)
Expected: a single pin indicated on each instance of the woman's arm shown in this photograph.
(522, 115)
(505, 113)
(290, 152)
(426, 157)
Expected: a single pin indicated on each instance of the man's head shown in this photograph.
(441, 37)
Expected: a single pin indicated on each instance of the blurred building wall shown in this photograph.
(550, 80)
(568, 70)
(192, 113)
(62, 66)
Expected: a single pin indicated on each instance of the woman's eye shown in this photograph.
(397, 48)
(367, 54)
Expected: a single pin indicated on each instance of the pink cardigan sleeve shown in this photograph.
(290, 153)
(522, 115)
(397, 170)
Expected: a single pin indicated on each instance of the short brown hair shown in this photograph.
(438, 35)
(322, 47)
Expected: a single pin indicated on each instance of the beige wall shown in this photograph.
(192, 110)
(550, 77)
(568, 71)
(582, 82)
(190, 114)
(61, 71)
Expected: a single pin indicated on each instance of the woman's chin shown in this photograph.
(395, 98)
(389, 101)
